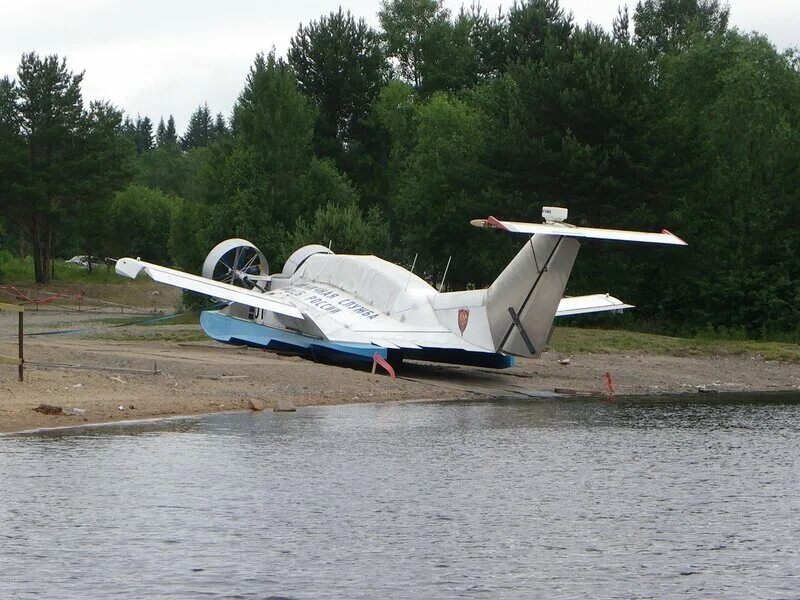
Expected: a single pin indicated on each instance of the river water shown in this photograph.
(695, 498)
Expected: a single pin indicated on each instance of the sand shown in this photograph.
(198, 377)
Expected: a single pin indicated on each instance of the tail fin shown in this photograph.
(522, 301)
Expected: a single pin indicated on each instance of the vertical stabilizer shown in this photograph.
(523, 300)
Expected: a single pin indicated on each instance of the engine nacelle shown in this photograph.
(237, 262)
(300, 256)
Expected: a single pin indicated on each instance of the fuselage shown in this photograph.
(365, 299)
(362, 302)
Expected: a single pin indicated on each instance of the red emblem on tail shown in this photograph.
(463, 319)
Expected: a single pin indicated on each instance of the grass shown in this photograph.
(100, 287)
(155, 336)
(16, 269)
(572, 340)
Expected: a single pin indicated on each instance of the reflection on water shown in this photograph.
(567, 499)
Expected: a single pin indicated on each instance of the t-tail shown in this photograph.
(523, 301)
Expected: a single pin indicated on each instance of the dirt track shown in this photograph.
(203, 376)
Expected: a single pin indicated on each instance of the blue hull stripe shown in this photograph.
(231, 330)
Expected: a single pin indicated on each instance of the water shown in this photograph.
(556, 499)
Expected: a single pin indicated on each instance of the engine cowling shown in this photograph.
(300, 256)
(237, 262)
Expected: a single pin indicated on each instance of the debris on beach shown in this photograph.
(49, 409)
(284, 406)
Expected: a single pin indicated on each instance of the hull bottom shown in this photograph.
(231, 330)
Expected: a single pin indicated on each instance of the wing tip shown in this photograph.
(677, 241)
(489, 223)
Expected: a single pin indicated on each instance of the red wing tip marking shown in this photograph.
(493, 222)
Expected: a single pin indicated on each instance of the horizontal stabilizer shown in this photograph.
(580, 305)
(563, 229)
(130, 267)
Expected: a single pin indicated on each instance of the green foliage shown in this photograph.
(339, 63)
(20, 270)
(140, 132)
(569, 340)
(5, 259)
(664, 26)
(408, 26)
(201, 129)
(57, 158)
(439, 189)
(538, 30)
(731, 102)
(185, 243)
(681, 124)
(345, 228)
(433, 52)
(138, 223)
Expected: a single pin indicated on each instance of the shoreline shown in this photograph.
(721, 396)
(198, 379)
(139, 373)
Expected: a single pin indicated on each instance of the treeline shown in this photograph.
(389, 141)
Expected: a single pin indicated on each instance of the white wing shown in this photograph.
(561, 229)
(579, 305)
(130, 267)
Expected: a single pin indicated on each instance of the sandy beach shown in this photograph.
(106, 373)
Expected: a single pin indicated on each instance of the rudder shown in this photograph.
(522, 301)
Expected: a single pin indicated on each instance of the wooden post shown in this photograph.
(8, 359)
(21, 355)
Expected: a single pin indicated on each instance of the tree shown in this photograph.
(340, 64)
(106, 167)
(406, 25)
(273, 118)
(433, 54)
(439, 189)
(345, 228)
(161, 132)
(138, 222)
(663, 26)
(730, 103)
(12, 149)
(620, 28)
(57, 170)
(171, 135)
(220, 127)
(200, 131)
(252, 185)
(143, 134)
(487, 36)
(538, 30)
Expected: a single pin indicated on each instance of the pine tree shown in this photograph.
(664, 26)
(171, 136)
(220, 127)
(70, 156)
(161, 133)
(339, 63)
(200, 129)
(143, 134)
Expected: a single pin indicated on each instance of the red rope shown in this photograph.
(51, 296)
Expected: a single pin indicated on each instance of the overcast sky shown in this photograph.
(156, 57)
